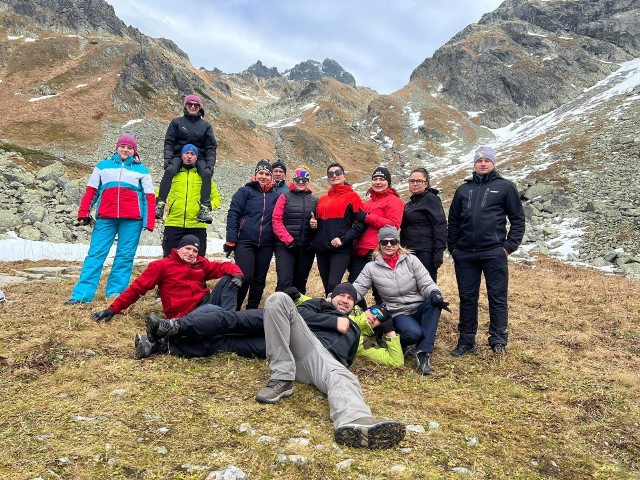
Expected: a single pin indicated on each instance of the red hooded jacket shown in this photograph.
(384, 208)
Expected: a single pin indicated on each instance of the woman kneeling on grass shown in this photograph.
(408, 292)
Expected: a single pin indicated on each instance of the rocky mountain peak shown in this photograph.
(262, 71)
(314, 70)
(529, 57)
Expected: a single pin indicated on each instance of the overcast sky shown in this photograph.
(380, 42)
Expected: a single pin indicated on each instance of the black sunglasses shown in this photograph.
(334, 173)
(377, 313)
(300, 179)
(192, 104)
(389, 241)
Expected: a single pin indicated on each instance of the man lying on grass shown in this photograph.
(313, 343)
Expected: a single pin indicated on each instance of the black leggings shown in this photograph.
(173, 167)
(331, 267)
(254, 263)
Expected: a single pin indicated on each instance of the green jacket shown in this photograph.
(183, 201)
(390, 354)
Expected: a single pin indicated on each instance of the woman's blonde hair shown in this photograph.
(401, 249)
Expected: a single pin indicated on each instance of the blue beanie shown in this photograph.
(189, 148)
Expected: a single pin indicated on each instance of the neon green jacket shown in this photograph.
(390, 354)
(183, 201)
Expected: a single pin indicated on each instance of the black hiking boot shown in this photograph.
(371, 433)
(159, 209)
(204, 214)
(144, 348)
(499, 349)
(423, 365)
(463, 349)
(158, 328)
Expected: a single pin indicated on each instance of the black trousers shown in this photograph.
(331, 267)
(426, 258)
(215, 326)
(174, 166)
(254, 262)
(293, 267)
(469, 267)
(172, 235)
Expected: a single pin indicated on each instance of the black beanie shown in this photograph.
(382, 172)
(263, 165)
(345, 287)
(191, 240)
(277, 164)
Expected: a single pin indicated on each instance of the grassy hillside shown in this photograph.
(562, 404)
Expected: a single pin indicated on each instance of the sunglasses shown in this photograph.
(389, 241)
(416, 181)
(192, 105)
(377, 313)
(300, 179)
(334, 173)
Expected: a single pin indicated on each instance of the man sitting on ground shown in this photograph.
(181, 280)
(315, 344)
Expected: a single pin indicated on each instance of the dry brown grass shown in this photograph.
(562, 404)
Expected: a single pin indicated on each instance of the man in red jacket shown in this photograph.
(181, 280)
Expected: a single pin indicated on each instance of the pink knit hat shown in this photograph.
(192, 98)
(130, 140)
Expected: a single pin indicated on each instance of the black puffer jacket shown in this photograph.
(321, 317)
(295, 214)
(424, 226)
(191, 129)
(478, 215)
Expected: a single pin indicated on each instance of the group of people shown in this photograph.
(388, 247)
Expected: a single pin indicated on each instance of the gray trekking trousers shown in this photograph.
(295, 353)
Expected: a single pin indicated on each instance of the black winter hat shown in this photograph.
(344, 287)
(382, 172)
(191, 240)
(278, 164)
(263, 165)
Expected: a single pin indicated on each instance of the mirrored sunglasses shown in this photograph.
(300, 179)
(334, 173)
(377, 313)
(388, 241)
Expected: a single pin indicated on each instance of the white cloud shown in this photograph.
(379, 42)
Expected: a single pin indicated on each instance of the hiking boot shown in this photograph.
(499, 349)
(463, 349)
(370, 432)
(423, 364)
(144, 348)
(158, 328)
(159, 209)
(74, 302)
(410, 351)
(204, 214)
(274, 391)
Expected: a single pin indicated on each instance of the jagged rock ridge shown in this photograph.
(306, 71)
(529, 56)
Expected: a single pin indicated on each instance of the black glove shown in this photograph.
(293, 245)
(360, 215)
(386, 326)
(292, 292)
(88, 220)
(228, 249)
(236, 282)
(437, 258)
(102, 316)
(438, 301)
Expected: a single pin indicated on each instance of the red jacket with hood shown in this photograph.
(383, 208)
